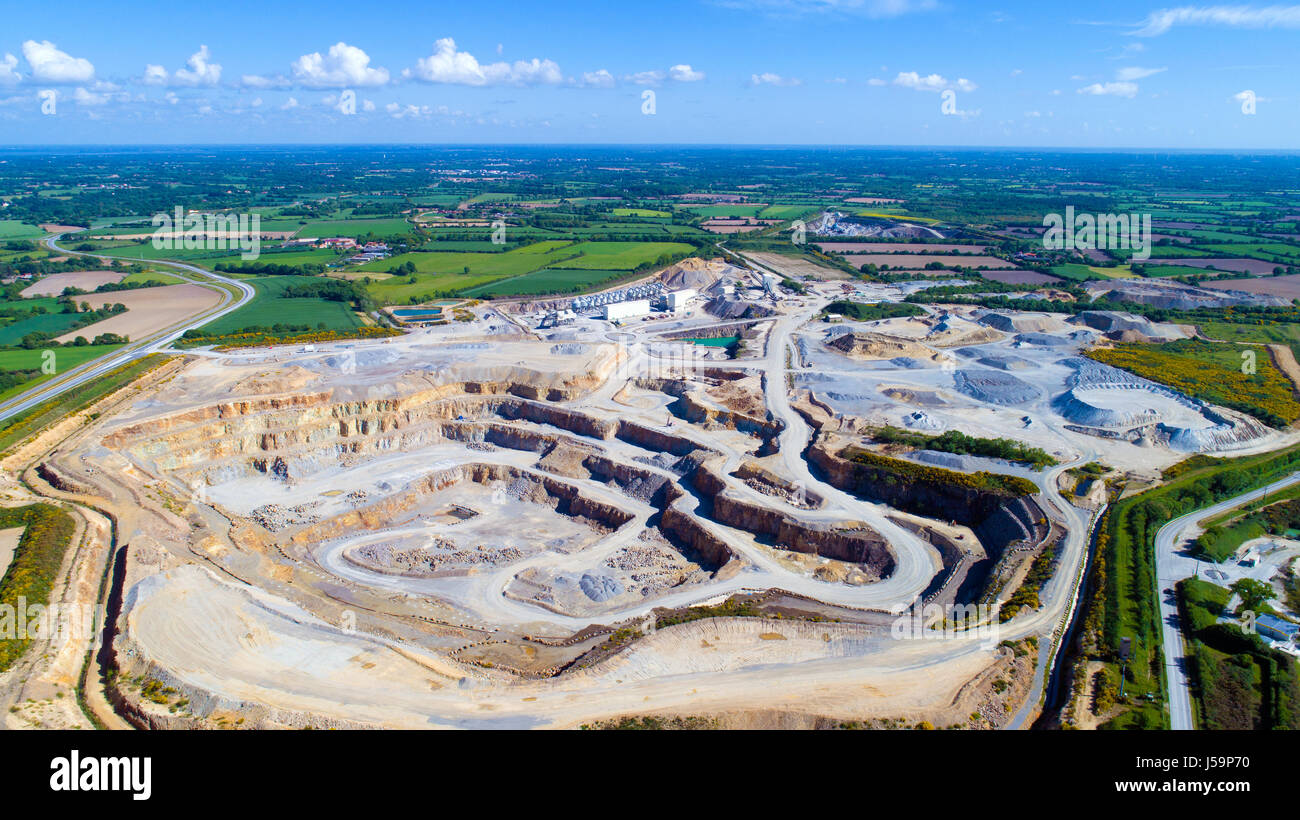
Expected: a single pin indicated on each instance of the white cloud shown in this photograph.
(1132, 73)
(768, 78)
(1160, 21)
(8, 72)
(201, 71)
(289, 103)
(598, 79)
(343, 65)
(49, 65)
(684, 74)
(448, 65)
(646, 78)
(367, 105)
(83, 97)
(932, 82)
(1116, 89)
(876, 81)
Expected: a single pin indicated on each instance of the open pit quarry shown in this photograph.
(492, 524)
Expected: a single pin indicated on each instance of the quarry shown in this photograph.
(513, 522)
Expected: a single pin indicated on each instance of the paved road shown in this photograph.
(1172, 565)
(140, 348)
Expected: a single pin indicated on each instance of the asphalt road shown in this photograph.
(1173, 565)
(137, 349)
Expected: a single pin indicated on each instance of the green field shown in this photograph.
(441, 273)
(545, 281)
(13, 229)
(53, 323)
(641, 212)
(622, 255)
(268, 309)
(65, 359)
(354, 227)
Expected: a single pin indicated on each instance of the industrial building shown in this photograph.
(627, 310)
(676, 300)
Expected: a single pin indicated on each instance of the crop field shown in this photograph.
(54, 323)
(920, 260)
(355, 227)
(787, 211)
(1287, 287)
(641, 212)
(725, 210)
(65, 359)
(622, 255)
(1213, 373)
(1081, 272)
(1259, 250)
(13, 229)
(269, 308)
(546, 281)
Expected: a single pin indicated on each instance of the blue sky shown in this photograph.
(840, 72)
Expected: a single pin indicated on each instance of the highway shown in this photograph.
(136, 349)
(1173, 565)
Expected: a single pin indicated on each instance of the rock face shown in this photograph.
(1000, 518)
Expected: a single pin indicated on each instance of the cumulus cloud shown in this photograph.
(447, 64)
(684, 74)
(201, 71)
(768, 78)
(1115, 89)
(343, 65)
(932, 82)
(9, 70)
(83, 97)
(49, 65)
(289, 104)
(598, 79)
(1162, 20)
(679, 73)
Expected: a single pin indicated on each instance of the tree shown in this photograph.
(1254, 595)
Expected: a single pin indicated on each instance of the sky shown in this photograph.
(1105, 75)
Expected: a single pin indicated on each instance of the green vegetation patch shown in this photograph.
(1212, 373)
(32, 573)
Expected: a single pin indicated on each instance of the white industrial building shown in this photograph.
(676, 300)
(627, 310)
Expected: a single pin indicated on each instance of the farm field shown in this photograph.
(66, 358)
(354, 227)
(1079, 272)
(13, 229)
(1019, 277)
(1287, 287)
(920, 260)
(546, 281)
(88, 280)
(1253, 266)
(149, 310)
(53, 322)
(900, 247)
(270, 308)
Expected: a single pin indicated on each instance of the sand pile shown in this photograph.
(867, 345)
